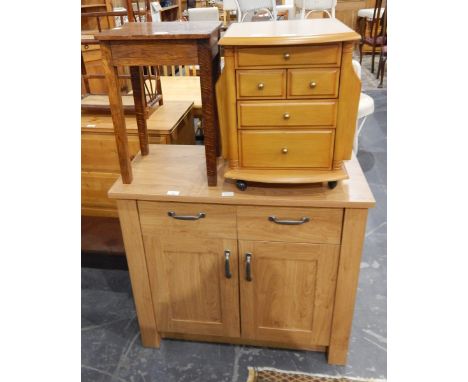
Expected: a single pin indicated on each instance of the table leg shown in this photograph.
(115, 101)
(208, 77)
(136, 74)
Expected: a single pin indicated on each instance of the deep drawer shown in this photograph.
(326, 54)
(312, 225)
(218, 221)
(287, 148)
(312, 83)
(281, 114)
(261, 83)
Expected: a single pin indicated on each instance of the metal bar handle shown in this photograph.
(303, 220)
(248, 266)
(172, 214)
(227, 265)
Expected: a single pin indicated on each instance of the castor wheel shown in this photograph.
(241, 185)
(332, 184)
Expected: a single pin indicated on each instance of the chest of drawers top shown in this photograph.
(288, 32)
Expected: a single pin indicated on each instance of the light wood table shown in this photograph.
(165, 43)
(272, 266)
(183, 88)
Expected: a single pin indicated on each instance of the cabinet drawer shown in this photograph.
(218, 221)
(313, 82)
(287, 148)
(323, 226)
(256, 114)
(261, 83)
(326, 54)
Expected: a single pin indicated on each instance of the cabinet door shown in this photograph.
(191, 288)
(289, 297)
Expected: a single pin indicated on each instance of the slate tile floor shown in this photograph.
(111, 347)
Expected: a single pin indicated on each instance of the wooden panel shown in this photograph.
(313, 83)
(135, 252)
(152, 53)
(219, 221)
(346, 11)
(94, 188)
(283, 114)
(287, 149)
(191, 292)
(354, 229)
(291, 293)
(99, 151)
(261, 83)
(325, 54)
(324, 224)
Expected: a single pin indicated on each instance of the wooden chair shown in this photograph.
(245, 7)
(377, 35)
(383, 52)
(97, 101)
(310, 6)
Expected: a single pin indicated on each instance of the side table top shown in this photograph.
(191, 30)
(288, 32)
(182, 169)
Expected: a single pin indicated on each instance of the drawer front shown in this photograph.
(186, 219)
(283, 114)
(313, 225)
(325, 54)
(287, 148)
(313, 83)
(261, 83)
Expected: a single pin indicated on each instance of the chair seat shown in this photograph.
(366, 106)
(368, 13)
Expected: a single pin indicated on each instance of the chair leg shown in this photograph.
(373, 58)
(360, 51)
(382, 71)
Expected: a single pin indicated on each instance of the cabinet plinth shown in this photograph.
(273, 266)
(292, 85)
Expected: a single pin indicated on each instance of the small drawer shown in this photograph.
(281, 114)
(320, 83)
(325, 55)
(183, 219)
(287, 148)
(261, 83)
(301, 225)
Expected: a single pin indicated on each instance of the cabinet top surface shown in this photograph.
(161, 31)
(182, 169)
(286, 32)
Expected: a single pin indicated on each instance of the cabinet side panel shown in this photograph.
(350, 89)
(129, 221)
(354, 229)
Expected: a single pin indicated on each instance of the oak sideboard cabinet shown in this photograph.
(271, 266)
(288, 100)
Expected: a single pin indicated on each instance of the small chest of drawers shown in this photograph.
(288, 100)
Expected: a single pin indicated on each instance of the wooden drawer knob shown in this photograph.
(312, 84)
(86, 46)
(260, 86)
(284, 150)
(286, 116)
(286, 56)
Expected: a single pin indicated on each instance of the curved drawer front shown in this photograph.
(261, 83)
(325, 54)
(281, 114)
(323, 224)
(312, 83)
(287, 148)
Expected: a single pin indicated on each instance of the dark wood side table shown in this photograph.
(165, 43)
